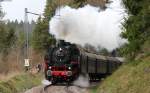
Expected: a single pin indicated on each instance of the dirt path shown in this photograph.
(58, 89)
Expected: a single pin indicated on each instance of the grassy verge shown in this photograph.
(133, 77)
(19, 83)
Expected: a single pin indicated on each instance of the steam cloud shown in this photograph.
(82, 81)
(46, 82)
(90, 25)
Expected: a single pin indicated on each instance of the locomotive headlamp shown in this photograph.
(69, 68)
(50, 67)
(60, 49)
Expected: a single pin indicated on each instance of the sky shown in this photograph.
(15, 9)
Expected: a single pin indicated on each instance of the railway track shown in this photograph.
(62, 88)
(58, 89)
(67, 89)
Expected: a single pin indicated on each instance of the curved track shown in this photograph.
(58, 89)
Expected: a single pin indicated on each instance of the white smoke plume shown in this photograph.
(90, 25)
(82, 81)
(46, 82)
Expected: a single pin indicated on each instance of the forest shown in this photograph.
(12, 38)
(132, 77)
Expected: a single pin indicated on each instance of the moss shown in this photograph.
(20, 83)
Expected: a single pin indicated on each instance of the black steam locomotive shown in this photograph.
(65, 61)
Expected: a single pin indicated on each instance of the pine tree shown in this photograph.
(137, 26)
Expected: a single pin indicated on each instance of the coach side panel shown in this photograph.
(92, 65)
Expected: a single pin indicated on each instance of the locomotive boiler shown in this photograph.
(64, 62)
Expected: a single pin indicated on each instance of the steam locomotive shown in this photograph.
(64, 62)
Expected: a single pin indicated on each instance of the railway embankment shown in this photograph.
(132, 77)
(20, 83)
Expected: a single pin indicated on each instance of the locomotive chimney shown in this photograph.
(60, 43)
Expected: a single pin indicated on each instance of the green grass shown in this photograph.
(133, 77)
(94, 89)
(20, 83)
